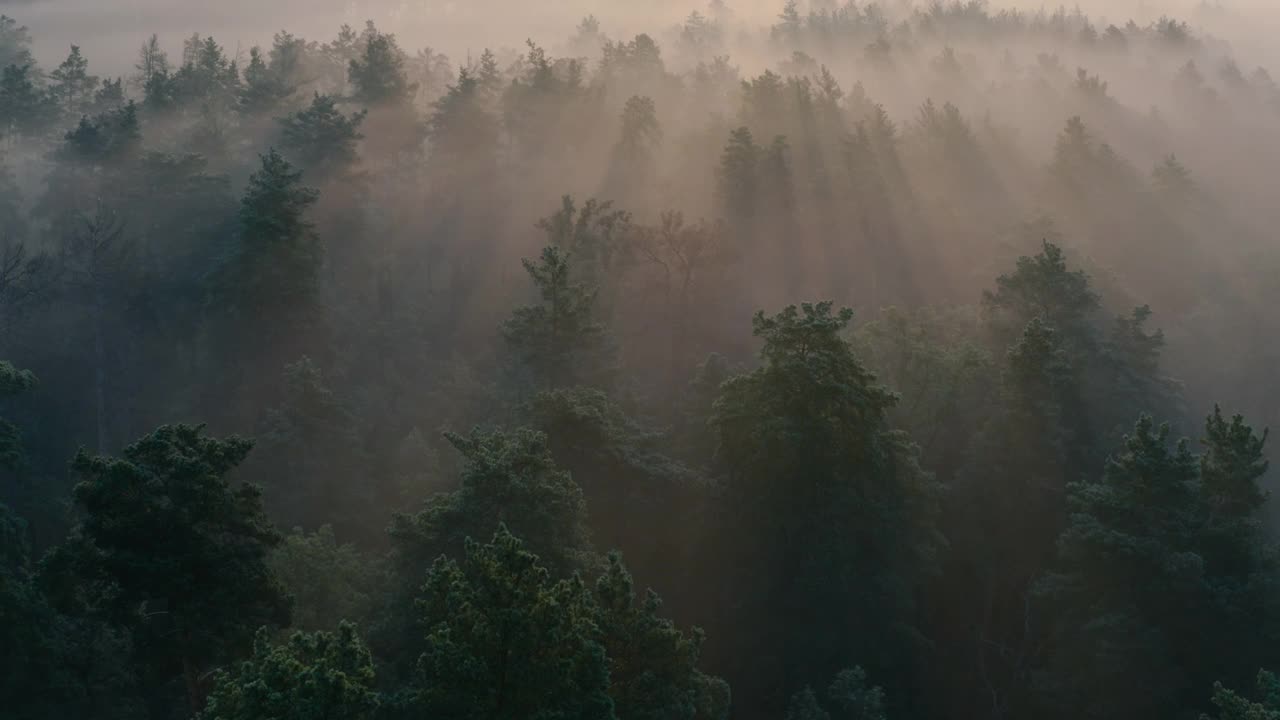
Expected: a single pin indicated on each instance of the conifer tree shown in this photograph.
(825, 498)
(510, 479)
(1173, 181)
(1232, 706)
(330, 582)
(488, 74)
(506, 477)
(1241, 560)
(320, 139)
(850, 697)
(263, 89)
(1009, 509)
(1129, 565)
(321, 675)
(463, 133)
(72, 83)
(183, 549)
(291, 60)
(653, 666)
(152, 61)
(558, 342)
(109, 96)
(310, 459)
(378, 74)
(207, 78)
(1043, 286)
(13, 457)
(278, 255)
(505, 639)
(15, 43)
(25, 107)
(736, 178)
(633, 166)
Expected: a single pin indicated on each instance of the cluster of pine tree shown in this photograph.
(368, 419)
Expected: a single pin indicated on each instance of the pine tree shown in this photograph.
(558, 342)
(432, 72)
(25, 107)
(855, 698)
(850, 697)
(310, 459)
(736, 178)
(1241, 560)
(279, 255)
(320, 139)
(790, 25)
(195, 598)
(263, 90)
(1128, 377)
(1043, 286)
(13, 457)
(378, 73)
(15, 43)
(1129, 566)
(507, 478)
(689, 258)
(109, 96)
(105, 139)
(1232, 706)
(804, 705)
(72, 83)
(777, 187)
(488, 74)
(1073, 154)
(39, 667)
(464, 134)
(640, 497)
(506, 640)
(152, 61)
(207, 77)
(291, 60)
(653, 666)
(321, 675)
(634, 167)
(1008, 510)
(1173, 181)
(330, 582)
(824, 498)
(596, 236)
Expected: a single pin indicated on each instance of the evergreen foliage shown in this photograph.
(1052, 227)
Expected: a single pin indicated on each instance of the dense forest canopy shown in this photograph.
(821, 360)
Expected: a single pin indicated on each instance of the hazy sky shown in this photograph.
(103, 27)
(109, 30)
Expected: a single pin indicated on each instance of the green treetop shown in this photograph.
(557, 342)
(321, 675)
(505, 640)
(184, 548)
(377, 74)
(825, 500)
(321, 139)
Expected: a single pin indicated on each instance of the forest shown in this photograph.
(846, 361)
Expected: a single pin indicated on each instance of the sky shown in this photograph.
(103, 28)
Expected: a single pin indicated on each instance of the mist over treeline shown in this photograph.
(374, 360)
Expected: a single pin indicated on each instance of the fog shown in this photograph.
(103, 29)
(1202, 94)
(354, 231)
